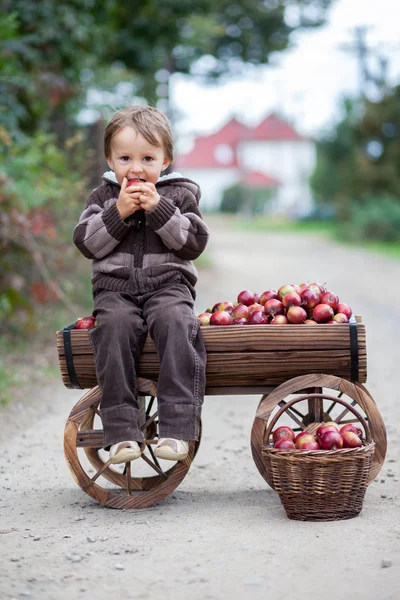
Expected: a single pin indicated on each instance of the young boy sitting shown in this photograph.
(142, 232)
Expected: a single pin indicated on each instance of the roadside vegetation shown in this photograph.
(60, 61)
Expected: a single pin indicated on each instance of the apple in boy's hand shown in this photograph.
(133, 182)
(85, 322)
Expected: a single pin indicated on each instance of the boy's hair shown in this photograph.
(152, 124)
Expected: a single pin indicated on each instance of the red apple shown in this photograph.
(133, 182)
(268, 295)
(331, 440)
(283, 432)
(332, 322)
(317, 287)
(323, 313)
(296, 315)
(257, 298)
(246, 297)
(331, 299)
(345, 309)
(239, 321)
(215, 307)
(306, 438)
(351, 427)
(340, 318)
(351, 440)
(309, 298)
(285, 289)
(279, 320)
(310, 322)
(291, 299)
(311, 446)
(284, 444)
(300, 434)
(324, 429)
(255, 307)
(221, 317)
(204, 318)
(85, 322)
(273, 307)
(240, 311)
(257, 318)
(228, 306)
(333, 423)
(296, 287)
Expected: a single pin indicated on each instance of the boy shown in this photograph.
(142, 237)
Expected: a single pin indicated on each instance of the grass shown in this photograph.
(9, 381)
(328, 229)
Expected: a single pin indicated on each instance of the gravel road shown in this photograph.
(223, 533)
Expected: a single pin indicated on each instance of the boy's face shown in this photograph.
(133, 157)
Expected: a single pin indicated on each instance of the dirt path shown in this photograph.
(223, 533)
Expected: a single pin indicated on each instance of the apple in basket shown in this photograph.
(331, 440)
(85, 322)
(351, 427)
(333, 423)
(283, 432)
(284, 444)
(324, 429)
(303, 438)
(310, 446)
(351, 440)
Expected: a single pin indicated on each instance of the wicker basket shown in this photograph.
(319, 485)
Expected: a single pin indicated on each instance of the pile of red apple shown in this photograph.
(308, 303)
(328, 436)
(85, 322)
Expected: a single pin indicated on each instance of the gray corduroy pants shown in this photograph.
(123, 322)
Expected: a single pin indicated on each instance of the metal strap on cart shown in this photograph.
(354, 365)
(69, 357)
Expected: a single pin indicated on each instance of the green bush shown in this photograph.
(239, 200)
(232, 200)
(376, 219)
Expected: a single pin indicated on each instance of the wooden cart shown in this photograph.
(275, 362)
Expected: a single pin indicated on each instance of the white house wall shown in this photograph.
(212, 183)
(285, 160)
(292, 162)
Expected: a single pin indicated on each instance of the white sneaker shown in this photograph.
(124, 452)
(171, 449)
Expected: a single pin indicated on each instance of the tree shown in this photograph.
(51, 43)
(51, 52)
(358, 168)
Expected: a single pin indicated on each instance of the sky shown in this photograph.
(306, 84)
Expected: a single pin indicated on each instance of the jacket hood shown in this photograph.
(169, 180)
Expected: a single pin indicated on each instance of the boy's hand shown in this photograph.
(128, 202)
(149, 197)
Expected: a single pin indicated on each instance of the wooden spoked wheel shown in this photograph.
(316, 410)
(138, 484)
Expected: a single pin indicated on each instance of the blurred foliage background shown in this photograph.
(54, 56)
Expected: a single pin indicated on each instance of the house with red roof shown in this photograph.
(272, 156)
